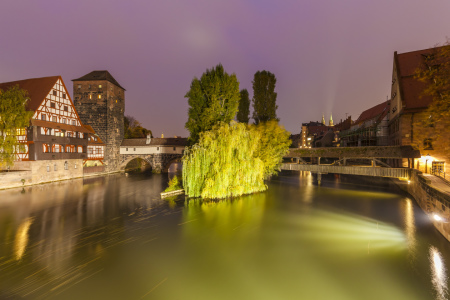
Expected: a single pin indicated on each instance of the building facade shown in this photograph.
(100, 102)
(408, 112)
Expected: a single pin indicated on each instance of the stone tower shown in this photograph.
(100, 103)
(323, 119)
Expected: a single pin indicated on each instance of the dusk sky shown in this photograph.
(328, 56)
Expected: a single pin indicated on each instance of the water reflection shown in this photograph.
(439, 274)
(21, 240)
(410, 228)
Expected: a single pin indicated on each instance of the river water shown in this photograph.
(114, 238)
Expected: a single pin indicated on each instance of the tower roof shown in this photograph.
(99, 75)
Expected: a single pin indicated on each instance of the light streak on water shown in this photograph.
(21, 240)
(438, 274)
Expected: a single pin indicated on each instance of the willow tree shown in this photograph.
(212, 99)
(264, 97)
(273, 144)
(232, 160)
(244, 107)
(223, 163)
(14, 118)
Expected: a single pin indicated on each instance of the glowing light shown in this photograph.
(439, 274)
(437, 218)
(409, 181)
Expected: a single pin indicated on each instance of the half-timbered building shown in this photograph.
(55, 131)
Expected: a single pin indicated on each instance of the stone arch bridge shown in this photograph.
(159, 153)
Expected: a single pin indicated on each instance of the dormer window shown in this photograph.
(52, 105)
(64, 96)
(66, 108)
(54, 93)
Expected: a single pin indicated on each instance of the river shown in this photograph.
(114, 238)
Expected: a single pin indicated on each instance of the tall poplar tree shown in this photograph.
(264, 97)
(212, 99)
(13, 119)
(244, 107)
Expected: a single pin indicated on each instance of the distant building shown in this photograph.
(100, 102)
(370, 129)
(408, 110)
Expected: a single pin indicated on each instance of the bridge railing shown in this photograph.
(351, 170)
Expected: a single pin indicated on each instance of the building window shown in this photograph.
(64, 96)
(90, 96)
(48, 168)
(174, 148)
(54, 93)
(66, 108)
(52, 105)
(66, 165)
(157, 148)
(79, 86)
(99, 86)
(74, 122)
(54, 166)
(126, 149)
(64, 120)
(75, 166)
(43, 117)
(427, 144)
(89, 86)
(99, 96)
(54, 119)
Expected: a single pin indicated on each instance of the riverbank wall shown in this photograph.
(26, 173)
(433, 201)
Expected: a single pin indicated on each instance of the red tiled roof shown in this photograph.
(410, 88)
(38, 89)
(92, 132)
(378, 112)
(55, 125)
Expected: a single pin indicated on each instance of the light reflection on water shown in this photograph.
(114, 238)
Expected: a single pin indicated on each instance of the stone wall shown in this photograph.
(158, 162)
(431, 200)
(104, 114)
(36, 172)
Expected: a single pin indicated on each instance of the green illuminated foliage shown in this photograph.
(231, 160)
(13, 120)
(212, 99)
(174, 184)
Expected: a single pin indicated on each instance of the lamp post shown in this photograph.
(427, 157)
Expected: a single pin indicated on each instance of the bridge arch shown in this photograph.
(126, 160)
(167, 164)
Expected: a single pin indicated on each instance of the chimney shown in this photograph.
(149, 139)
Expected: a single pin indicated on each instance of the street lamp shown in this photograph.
(427, 157)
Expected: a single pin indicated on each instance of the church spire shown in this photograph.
(323, 119)
(331, 120)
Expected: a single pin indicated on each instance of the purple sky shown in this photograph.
(328, 56)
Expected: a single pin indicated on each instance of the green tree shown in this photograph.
(264, 97)
(435, 73)
(212, 99)
(13, 117)
(234, 159)
(134, 130)
(244, 107)
(273, 144)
